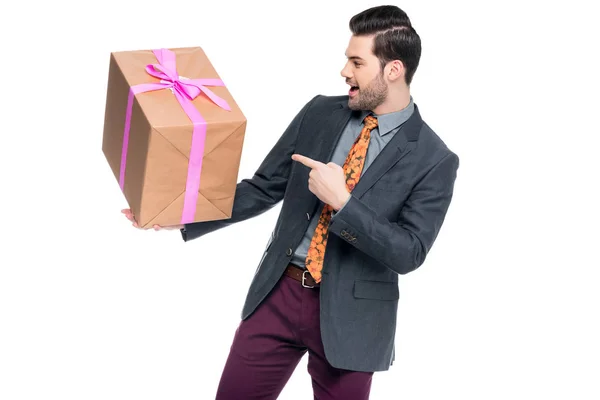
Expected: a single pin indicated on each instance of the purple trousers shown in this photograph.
(268, 346)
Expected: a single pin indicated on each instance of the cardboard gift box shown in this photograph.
(173, 136)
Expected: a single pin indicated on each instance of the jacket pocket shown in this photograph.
(376, 290)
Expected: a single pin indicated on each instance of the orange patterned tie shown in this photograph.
(352, 169)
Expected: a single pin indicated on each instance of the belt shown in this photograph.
(301, 275)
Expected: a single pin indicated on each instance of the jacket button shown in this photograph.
(308, 216)
(289, 252)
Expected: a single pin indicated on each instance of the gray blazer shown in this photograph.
(386, 229)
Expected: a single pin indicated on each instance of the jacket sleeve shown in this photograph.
(403, 245)
(256, 195)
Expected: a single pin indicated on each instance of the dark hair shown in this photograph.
(395, 38)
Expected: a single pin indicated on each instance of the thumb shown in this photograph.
(333, 165)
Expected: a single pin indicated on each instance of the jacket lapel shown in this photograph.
(394, 151)
(332, 122)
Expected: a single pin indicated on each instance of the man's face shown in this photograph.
(363, 73)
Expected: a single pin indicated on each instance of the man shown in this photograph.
(365, 185)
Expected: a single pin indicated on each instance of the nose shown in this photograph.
(345, 72)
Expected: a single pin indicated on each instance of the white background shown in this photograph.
(506, 305)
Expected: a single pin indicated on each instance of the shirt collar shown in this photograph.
(386, 123)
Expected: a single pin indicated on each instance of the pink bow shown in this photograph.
(166, 70)
(185, 91)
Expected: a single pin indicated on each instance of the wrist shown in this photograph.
(343, 199)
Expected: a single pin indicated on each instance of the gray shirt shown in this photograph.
(388, 125)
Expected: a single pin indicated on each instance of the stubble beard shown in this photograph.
(371, 96)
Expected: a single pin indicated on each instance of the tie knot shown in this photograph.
(370, 122)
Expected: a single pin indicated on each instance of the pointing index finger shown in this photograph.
(309, 162)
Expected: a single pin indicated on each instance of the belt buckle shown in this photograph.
(304, 278)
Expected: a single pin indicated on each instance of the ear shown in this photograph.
(395, 70)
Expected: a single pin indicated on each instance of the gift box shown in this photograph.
(173, 136)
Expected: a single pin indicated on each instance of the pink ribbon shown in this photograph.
(185, 91)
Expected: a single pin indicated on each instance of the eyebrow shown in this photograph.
(354, 58)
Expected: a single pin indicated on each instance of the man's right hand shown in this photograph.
(131, 217)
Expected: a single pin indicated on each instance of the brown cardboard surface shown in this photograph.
(160, 140)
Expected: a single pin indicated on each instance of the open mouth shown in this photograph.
(353, 90)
